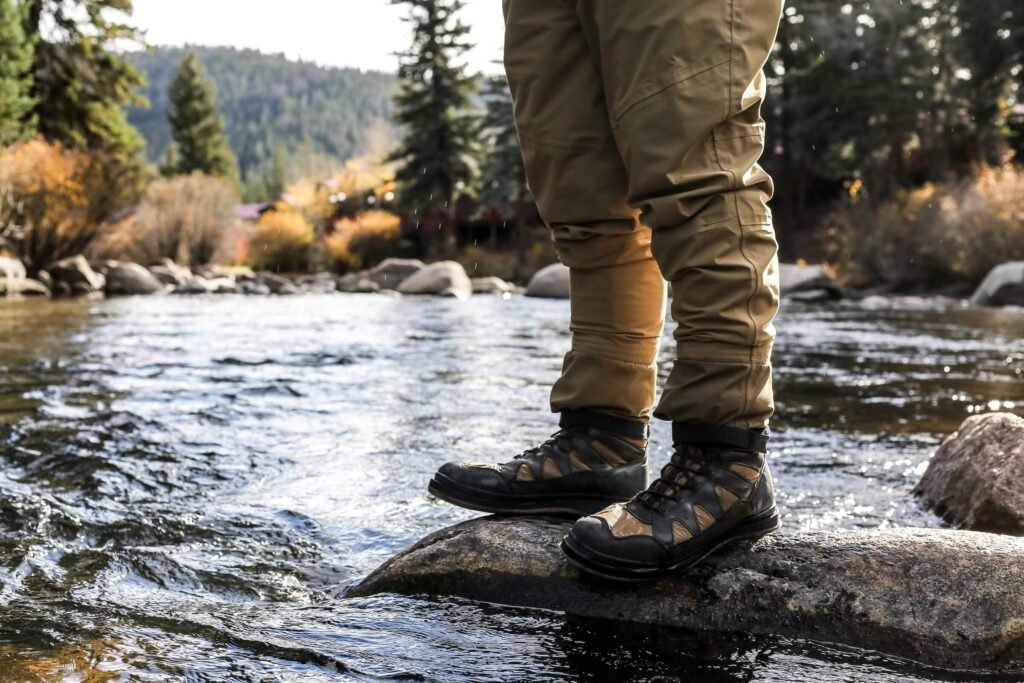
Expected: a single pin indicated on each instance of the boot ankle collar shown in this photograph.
(606, 423)
(693, 434)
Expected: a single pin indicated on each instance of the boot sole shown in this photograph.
(560, 505)
(594, 563)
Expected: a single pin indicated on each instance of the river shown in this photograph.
(188, 485)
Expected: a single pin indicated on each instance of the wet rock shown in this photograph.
(444, 278)
(392, 272)
(946, 598)
(976, 478)
(277, 284)
(12, 269)
(320, 283)
(353, 283)
(197, 285)
(74, 276)
(815, 295)
(1003, 286)
(253, 288)
(222, 285)
(131, 279)
(170, 273)
(875, 302)
(23, 287)
(491, 285)
(795, 278)
(551, 282)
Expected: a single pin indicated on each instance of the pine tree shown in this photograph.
(433, 107)
(16, 104)
(196, 124)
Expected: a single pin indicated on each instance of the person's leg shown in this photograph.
(579, 182)
(607, 387)
(684, 85)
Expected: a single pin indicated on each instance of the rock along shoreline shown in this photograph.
(952, 599)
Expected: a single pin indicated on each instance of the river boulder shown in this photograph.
(392, 272)
(23, 287)
(808, 283)
(131, 279)
(942, 597)
(74, 275)
(550, 282)
(170, 273)
(1003, 286)
(277, 284)
(976, 478)
(444, 278)
(492, 285)
(12, 269)
(357, 283)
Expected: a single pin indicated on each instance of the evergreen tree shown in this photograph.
(439, 143)
(81, 82)
(196, 124)
(16, 51)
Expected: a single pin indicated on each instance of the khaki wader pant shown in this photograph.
(641, 129)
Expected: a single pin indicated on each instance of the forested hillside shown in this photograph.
(278, 112)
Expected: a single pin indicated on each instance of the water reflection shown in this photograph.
(188, 485)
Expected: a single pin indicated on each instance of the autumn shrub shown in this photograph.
(185, 218)
(54, 202)
(282, 242)
(941, 235)
(364, 241)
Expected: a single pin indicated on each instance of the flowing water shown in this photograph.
(188, 486)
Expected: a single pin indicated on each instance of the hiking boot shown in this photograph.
(592, 461)
(715, 490)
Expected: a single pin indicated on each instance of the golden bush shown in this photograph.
(186, 219)
(364, 241)
(282, 242)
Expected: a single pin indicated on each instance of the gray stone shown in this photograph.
(197, 285)
(976, 478)
(392, 272)
(551, 282)
(131, 279)
(444, 278)
(814, 295)
(253, 288)
(320, 283)
(945, 598)
(73, 275)
(170, 273)
(795, 278)
(277, 284)
(353, 283)
(875, 302)
(491, 285)
(1003, 286)
(222, 285)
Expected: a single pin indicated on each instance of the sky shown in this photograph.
(358, 33)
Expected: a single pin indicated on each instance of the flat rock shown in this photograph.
(976, 478)
(444, 278)
(945, 598)
(1003, 286)
(131, 279)
(550, 282)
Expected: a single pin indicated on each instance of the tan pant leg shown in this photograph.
(579, 181)
(684, 86)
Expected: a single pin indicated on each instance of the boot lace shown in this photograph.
(682, 472)
(551, 446)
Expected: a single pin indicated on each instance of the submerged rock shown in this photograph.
(976, 478)
(131, 279)
(74, 275)
(550, 282)
(444, 278)
(1003, 286)
(946, 598)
